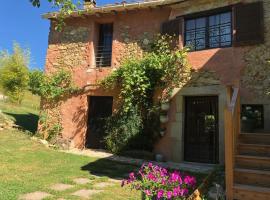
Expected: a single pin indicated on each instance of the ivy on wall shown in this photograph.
(163, 66)
(51, 88)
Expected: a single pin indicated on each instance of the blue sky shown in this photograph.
(21, 22)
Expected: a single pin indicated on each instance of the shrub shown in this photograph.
(156, 182)
(14, 73)
(121, 129)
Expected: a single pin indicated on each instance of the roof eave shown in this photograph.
(115, 8)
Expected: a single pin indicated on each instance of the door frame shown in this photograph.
(217, 134)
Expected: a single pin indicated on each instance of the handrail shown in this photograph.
(232, 129)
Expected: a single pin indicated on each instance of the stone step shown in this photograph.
(254, 149)
(252, 177)
(254, 138)
(252, 162)
(249, 192)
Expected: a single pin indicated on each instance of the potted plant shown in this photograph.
(164, 117)
(157, 183)
(248, 119)
(165, 105)
(162, 132)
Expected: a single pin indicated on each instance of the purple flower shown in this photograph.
(169, 194)
(160, 194)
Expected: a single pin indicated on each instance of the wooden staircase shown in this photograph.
(247, 157)
(252, 167)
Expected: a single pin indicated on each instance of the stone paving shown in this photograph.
(186, 166)
(85, 193)
(82, 193)
(35, 196)
(61, 187)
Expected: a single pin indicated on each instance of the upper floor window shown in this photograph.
(104, 48)
(209, 32)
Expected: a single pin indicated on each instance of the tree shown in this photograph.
(14, 73)
(65, 7)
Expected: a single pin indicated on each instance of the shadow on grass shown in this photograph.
(107, 168)
(28, 121)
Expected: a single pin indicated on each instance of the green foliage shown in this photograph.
(51, 87)
(66, 7)
(163, 67)
(121, 128)
(14, 73)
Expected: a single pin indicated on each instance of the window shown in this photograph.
(104, 48)
(209, 32)
(253, 116)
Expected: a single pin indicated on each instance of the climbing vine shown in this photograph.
(162, 67)
(51, 88)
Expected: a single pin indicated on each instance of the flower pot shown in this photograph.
(164, 118)
(248, 125)
(162, 133)
(165, 106)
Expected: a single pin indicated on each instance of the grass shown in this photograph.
(28, 166)
(24, 115)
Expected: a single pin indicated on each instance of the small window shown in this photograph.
(213, 31)
(104, 48)
(252, 117)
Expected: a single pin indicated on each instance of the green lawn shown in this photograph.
(27, 166)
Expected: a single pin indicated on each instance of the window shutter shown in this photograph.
(249, 24)
(172, 27)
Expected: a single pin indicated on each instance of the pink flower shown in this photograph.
(147, 192)
(183, 192)
(174, 177)
(132, 176)
(169, 194)
(189, 180)
(160, 194)
(176, 191)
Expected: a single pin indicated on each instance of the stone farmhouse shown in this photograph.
(221, 117)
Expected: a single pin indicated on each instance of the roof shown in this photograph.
(114, 8)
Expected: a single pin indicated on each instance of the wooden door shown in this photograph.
(201, 129)
(100, 107)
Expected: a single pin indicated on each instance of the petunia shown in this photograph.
(160, 194)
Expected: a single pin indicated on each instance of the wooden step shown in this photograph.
(254, 138)
(254, 149)
(252, 162)
(252, 177)
(248, 192)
